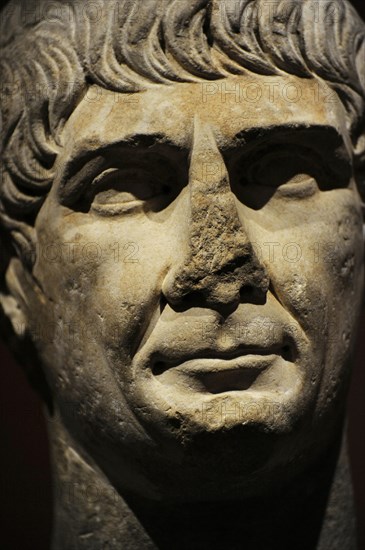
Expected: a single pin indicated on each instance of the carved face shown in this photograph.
(200, 266)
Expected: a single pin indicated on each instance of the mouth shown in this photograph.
(220, 374)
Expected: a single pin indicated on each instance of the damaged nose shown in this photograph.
(220, 267)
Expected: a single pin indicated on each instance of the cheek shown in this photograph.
(102, 289)
(314, 256)
(325, 284)
(340, 256)
(95, 312)
(322, 291)
(318, 266)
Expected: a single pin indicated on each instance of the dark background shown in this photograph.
(25, 479)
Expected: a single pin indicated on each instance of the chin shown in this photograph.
(193, 460)
(243, 462)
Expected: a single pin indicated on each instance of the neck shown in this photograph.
(314, 513)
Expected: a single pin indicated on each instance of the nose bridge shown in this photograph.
(208, 172)
(220, 259)
(215, 228)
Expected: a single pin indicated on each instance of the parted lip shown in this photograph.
(210, 360)
(176, 349)
(182, 359)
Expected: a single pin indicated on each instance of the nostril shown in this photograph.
(287, 353)
(158, 368)
(195, 298)
(163, 303)
(252, 295)
(247, 291)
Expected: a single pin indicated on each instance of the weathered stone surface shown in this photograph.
(182, 224)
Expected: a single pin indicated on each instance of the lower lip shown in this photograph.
(217, 375)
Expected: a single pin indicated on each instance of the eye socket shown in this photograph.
(118, 190)
(281, 169)
(115, 185)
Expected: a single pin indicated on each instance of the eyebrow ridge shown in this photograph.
(78, 164)
(85, 155)
(262, 133)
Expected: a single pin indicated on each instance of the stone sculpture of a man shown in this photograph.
(183, 262)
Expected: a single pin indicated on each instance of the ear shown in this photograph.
(17, 297)
(18, 294)
(359, 169)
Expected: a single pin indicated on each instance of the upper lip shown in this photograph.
(160, 362)
(175, 342)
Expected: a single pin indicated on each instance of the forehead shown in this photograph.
(230, 106)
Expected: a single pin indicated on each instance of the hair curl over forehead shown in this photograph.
(51, 52)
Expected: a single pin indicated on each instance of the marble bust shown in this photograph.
(182, 273)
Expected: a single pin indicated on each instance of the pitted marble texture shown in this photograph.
(181, 210)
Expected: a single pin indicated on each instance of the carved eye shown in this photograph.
(283, 172)
(119, 190)
(282, 169)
